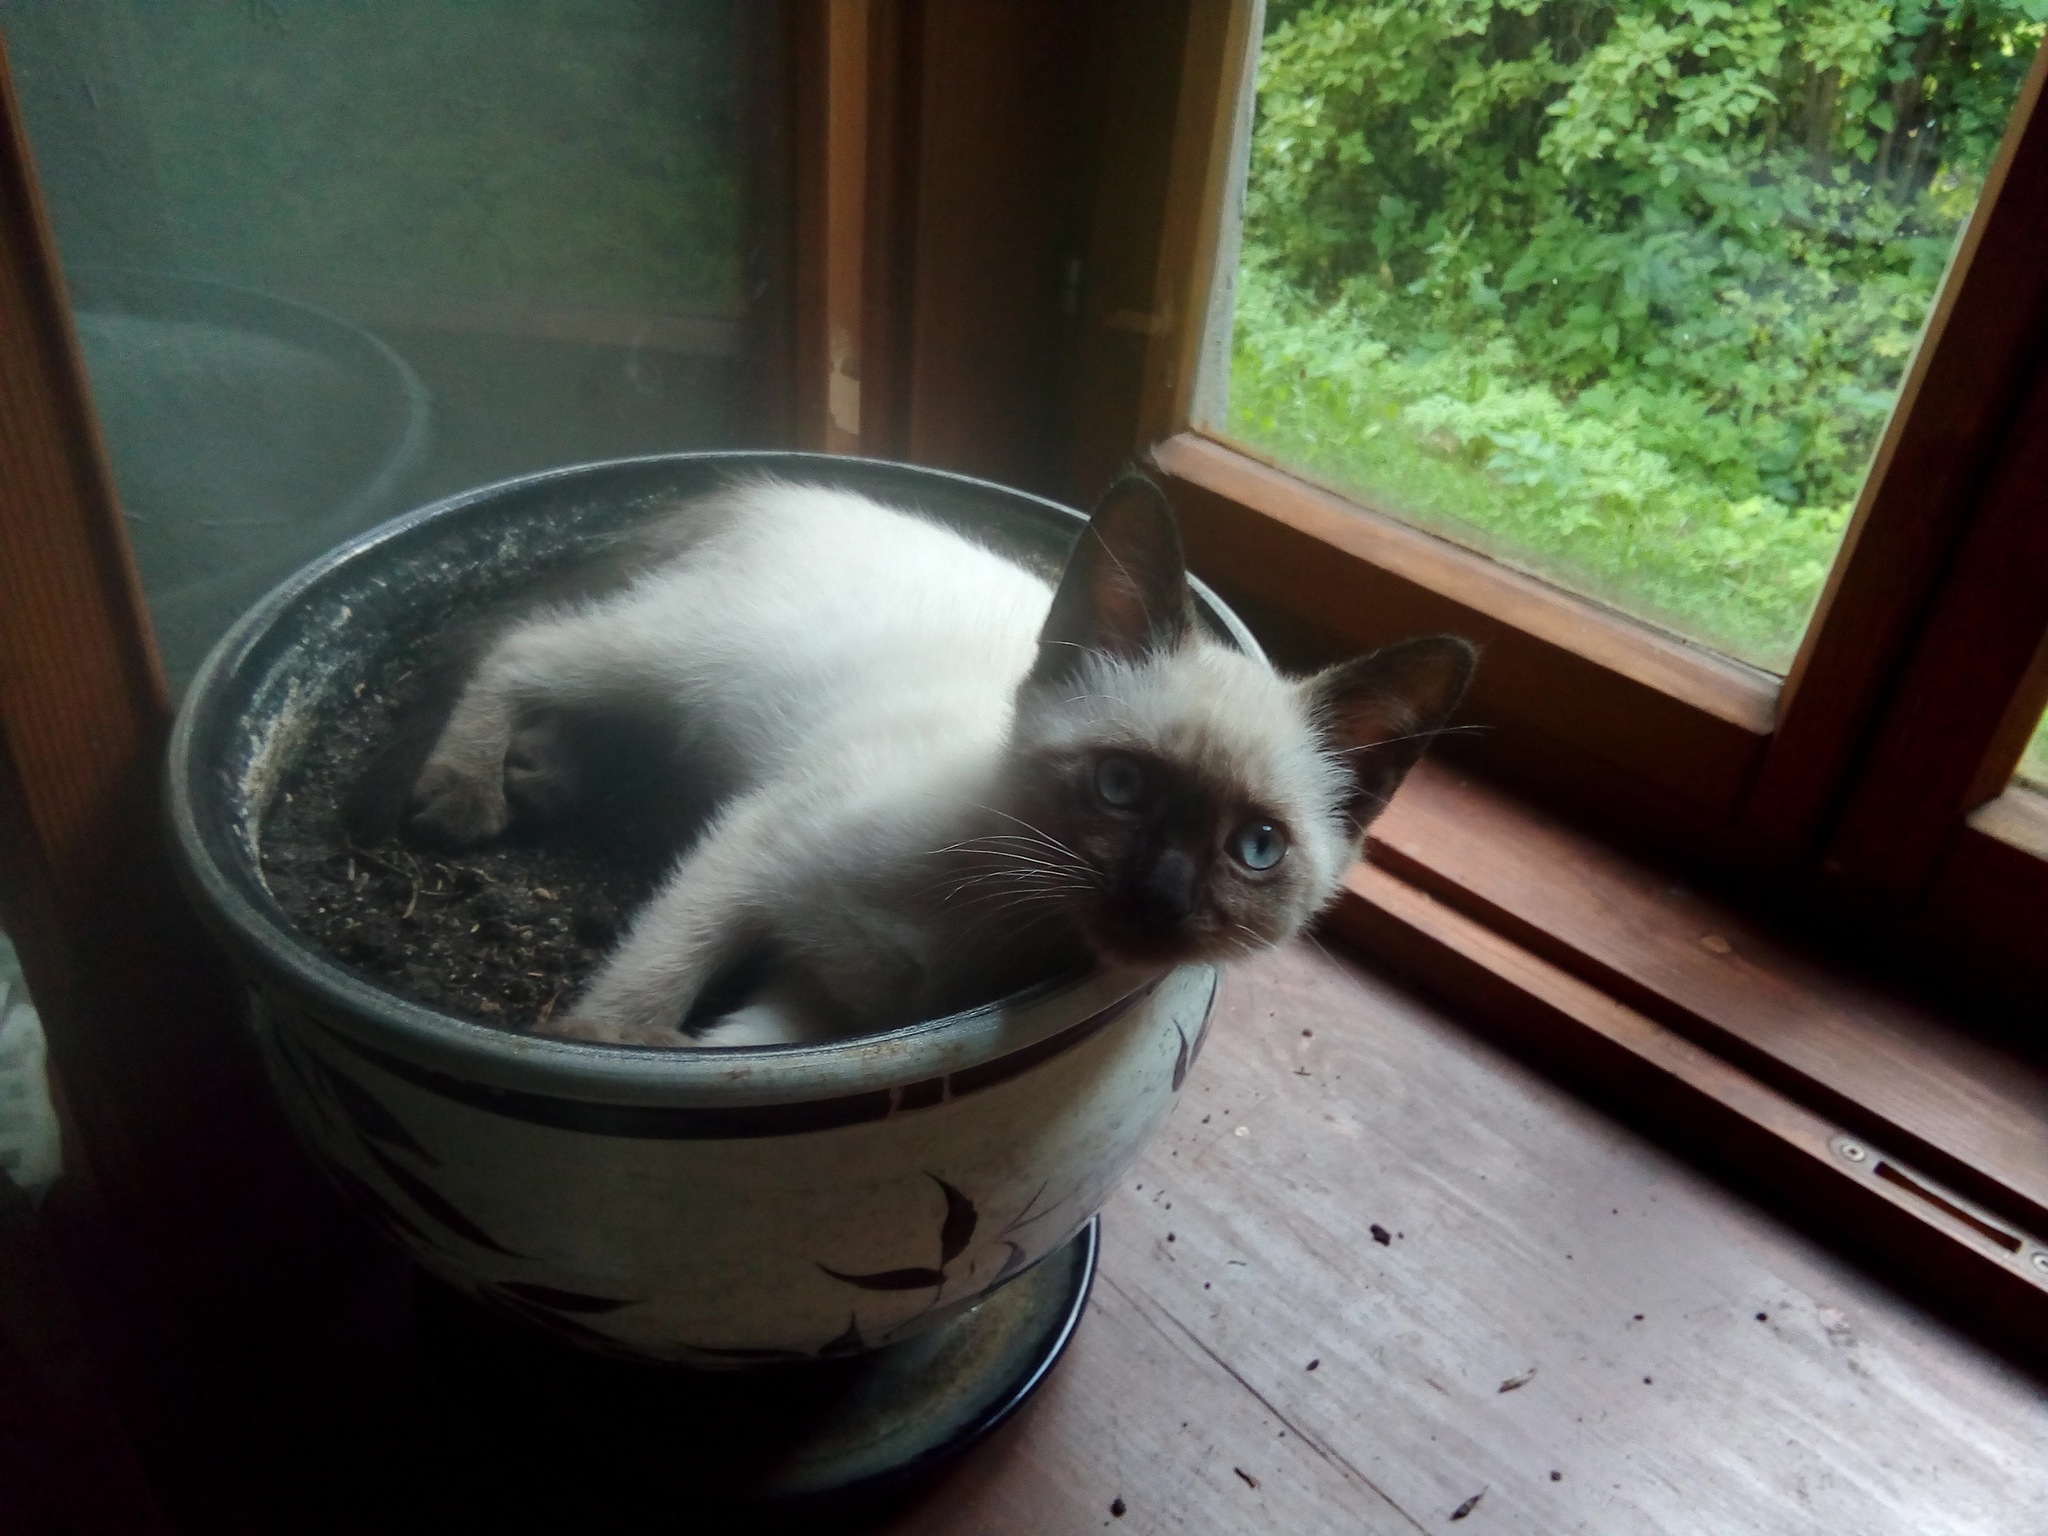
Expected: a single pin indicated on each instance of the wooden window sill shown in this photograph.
(1560, 1314)
(2018, 819)
(1917, 1140)
(1694, 1017)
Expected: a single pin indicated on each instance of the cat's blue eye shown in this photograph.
(1120, 781)
(1259, 845)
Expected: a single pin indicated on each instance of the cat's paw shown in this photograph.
(455, 808)
(579, 1024)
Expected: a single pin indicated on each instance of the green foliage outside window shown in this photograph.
(1620, 292)
(2033, 767)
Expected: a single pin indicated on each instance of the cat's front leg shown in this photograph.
(770, 873)
(677, 943)
(707, 915)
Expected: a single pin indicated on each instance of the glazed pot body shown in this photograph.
(718, 1207)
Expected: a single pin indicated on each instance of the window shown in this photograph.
(1844, 788)
(1771, 758)
(328, 264)
(2033, 768)
(1622, 296)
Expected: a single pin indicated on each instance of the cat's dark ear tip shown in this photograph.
(1434, 670)
(1134, 492)
(1454, 652)
(1133, 473)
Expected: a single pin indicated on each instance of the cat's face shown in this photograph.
(1193, 797)
(1201, 804)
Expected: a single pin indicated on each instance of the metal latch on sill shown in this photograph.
(1870, 1163)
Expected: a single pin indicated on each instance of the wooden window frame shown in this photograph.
(1853, 817)
(1858, 773)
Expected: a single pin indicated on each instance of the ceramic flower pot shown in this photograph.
(714, 1207)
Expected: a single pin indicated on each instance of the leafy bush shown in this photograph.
(1626, 290)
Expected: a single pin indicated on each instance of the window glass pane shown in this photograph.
(330, 261)
(2033, 768)
(1620, 294)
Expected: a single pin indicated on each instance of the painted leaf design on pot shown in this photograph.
(378, 1211)
(288, 1053)
(554, 1322)
(1208, 1018)
(1024, 1218)
(956, 1231)
(370, 1114)
(1011, 1263)
(560, 1300)
(1181, 1060)
(891, 1279)
(713, 1354)
(848, 1343)
(435, 1204)
(961, 1218)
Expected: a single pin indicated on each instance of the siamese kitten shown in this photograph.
(937, 778)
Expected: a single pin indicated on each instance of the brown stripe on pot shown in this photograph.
(738, 1121)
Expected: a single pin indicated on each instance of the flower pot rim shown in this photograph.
(209, 814)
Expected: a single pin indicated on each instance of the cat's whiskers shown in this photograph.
(988, 837)
(1016, 857)
(1012, 866)
(1006, 877)
(1033, 874)
(1136, 586)
(1105, 698)
(1036, 831)
(1254, 941)
(1019, 908)
(990, 847)
(1389, 741)
(1022, 879)
(967, 895)
(1022, 860)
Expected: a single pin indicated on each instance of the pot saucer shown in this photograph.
(532, 1418)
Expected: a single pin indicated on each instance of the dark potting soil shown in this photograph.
(504, 934)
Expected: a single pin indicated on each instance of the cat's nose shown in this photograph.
(1168, 887)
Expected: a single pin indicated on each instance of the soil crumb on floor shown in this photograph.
(504, 934)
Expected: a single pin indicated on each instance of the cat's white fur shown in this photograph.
(853, 674)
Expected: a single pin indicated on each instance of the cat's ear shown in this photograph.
(1125, 589)
(1377, 713)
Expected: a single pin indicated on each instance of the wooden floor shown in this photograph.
(1565, 1329)
(1381, 1278)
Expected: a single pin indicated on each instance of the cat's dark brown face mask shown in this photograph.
(1185, 860)
(1183, 869)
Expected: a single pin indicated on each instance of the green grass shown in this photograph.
(1567, 490)
(1621, 294)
